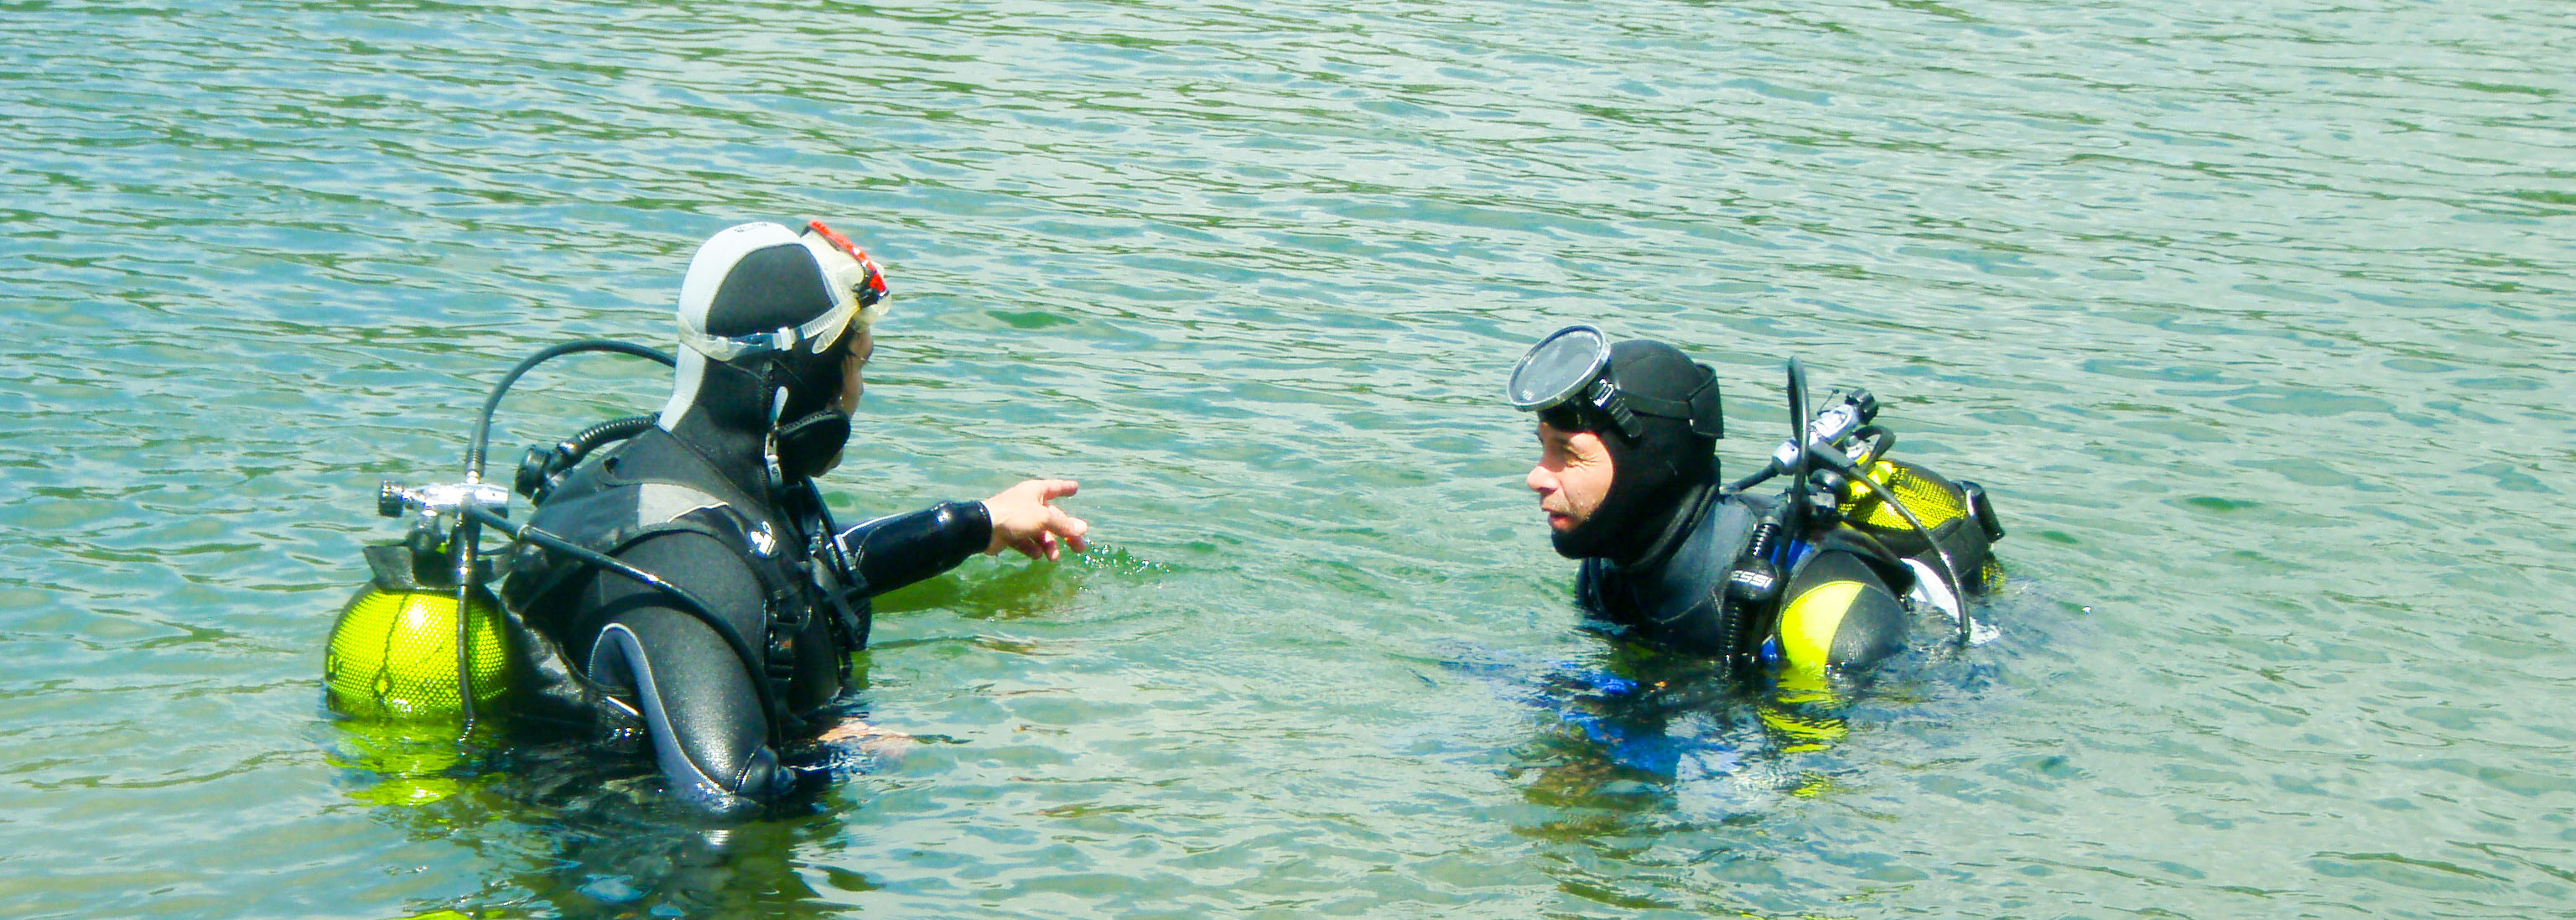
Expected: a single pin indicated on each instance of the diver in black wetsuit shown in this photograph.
(1628, 478)
(768, 598)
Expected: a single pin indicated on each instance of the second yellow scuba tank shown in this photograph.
(1934, 501)
(1955, 513)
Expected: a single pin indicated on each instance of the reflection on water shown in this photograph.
(1648, 767)
(1659, 731)
(414, 766)
(578, 830)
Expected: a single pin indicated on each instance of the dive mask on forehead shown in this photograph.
(1557, 367)
(1569, 373)
(853, 275)
(858, 291)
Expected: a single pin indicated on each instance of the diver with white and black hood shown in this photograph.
(1816, 580)
(750, 599)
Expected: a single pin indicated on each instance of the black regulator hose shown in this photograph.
(468, 537)
(617, 429)
(689, 603)
(1798, 420)
(542, 466)
(483, 421)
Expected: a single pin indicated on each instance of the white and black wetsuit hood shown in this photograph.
(771, 409)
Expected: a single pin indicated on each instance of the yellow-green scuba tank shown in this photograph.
(1956, 514)
(395, 649)
(1933, 500)
(401, 649)
(425, 641)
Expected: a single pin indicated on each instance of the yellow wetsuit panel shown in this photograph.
(1808, 624)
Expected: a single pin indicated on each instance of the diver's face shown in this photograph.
(854, 359)
(1572, 475)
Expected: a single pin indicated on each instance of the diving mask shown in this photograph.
(1569, 371)
(853, 275)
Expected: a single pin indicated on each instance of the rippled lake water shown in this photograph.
(2254, 317)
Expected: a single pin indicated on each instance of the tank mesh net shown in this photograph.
(1933, 500)
(393, 655)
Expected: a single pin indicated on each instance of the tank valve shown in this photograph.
(393, 499)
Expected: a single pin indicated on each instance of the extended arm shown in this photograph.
(893, 551)
(897, 550)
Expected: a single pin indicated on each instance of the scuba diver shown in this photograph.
(1817, 583)
(727, 604)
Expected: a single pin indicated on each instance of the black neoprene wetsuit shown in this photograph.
(695, 515)
(1838, 607)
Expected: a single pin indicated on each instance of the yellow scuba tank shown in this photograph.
(1958, 514)
(1934, 500)
(393, 655)
(419, 645)
(398, 651)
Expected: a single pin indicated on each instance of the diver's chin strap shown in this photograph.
(800, 449)
(806, 447)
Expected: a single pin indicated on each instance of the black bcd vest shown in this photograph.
(654, 485)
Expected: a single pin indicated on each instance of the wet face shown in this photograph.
(1572, 476)
(854, 359)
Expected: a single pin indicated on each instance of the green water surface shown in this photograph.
(2254, 317)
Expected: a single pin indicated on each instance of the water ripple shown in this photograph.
(2253, 319)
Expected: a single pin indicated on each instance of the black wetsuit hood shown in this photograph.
(1661, 474)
